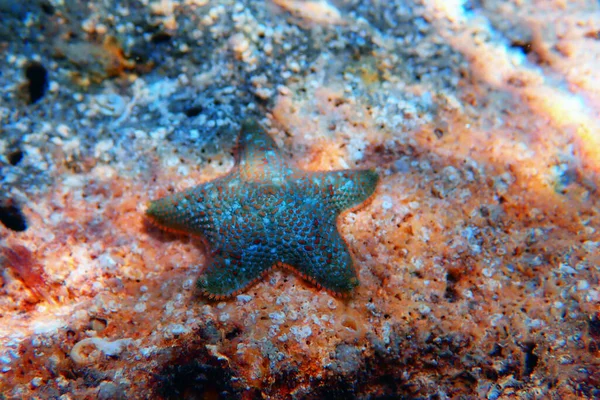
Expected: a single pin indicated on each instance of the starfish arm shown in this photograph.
(341, 190)
(259, 159)
(191, 211)
(326, 261)
(229, 274)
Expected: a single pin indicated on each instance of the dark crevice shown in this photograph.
(531, 359)
(193, 111)
(233, 333)
(12, 218)
(525, 47)
(15, 157)
(47, 7)
(195, 380)
(496, 351)
(594, 327)
(452, 279)
(37, 77)
(161, 37)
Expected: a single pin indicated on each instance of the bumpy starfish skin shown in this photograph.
(266, 213)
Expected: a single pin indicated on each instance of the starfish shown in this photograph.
(267, 213)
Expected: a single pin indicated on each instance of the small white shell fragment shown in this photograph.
(108, 348)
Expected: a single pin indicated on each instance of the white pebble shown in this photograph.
(301, 332)
(386, 202)
(277, 317)
(244, 298)
(424, 309)
(224, 317)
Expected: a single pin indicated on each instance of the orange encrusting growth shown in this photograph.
(21, 261)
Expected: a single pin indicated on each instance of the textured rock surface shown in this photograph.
(477, 258)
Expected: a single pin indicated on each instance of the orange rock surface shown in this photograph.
(478, 256)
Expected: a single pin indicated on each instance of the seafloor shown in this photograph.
(478, 257)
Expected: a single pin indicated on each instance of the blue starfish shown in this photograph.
(266, 213)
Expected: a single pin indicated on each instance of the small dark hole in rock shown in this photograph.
(594, 326)
(193, 111)
(47, 7)
(161, 37)
(524, 46)
(496, 350)
(467, 377)
(531, 360)
(491, 374)
(452, 278)
(233, 333)
(37, 76)
(12, 218)
(15, 157)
